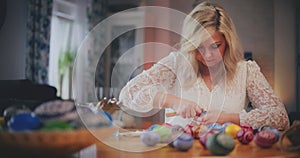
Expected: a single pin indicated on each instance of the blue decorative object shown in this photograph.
(184, 142)
(150, 138)
(23, 122)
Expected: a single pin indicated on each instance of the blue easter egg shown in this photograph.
(150, 138)
(24, 122)
(215, 126)
(184, 142)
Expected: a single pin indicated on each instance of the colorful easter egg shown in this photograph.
(150, 138)
(184, 142)
(203, 138)
(265, 139)
(245, 135)
(271, 129)
(164, 133)
(220, 144)
(176, 130)
(232, 130)
(23, 122)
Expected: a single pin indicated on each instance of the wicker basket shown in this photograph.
(43, 142)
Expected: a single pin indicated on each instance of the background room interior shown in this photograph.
(268, 29)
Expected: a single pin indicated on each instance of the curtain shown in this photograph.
(97, 12)
(38, 40)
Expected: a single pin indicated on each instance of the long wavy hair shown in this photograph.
(200, 24)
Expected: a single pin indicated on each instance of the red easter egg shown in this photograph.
(265, 139)
(245, 135)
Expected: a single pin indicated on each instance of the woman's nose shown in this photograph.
(206, 53)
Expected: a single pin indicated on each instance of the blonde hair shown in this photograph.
(200, 24)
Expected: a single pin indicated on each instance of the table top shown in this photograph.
(131, 147)
(112, 145)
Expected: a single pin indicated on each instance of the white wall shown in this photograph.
(12, 41)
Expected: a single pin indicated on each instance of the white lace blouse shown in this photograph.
(172, 73)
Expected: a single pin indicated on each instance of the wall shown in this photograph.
(285, 52)
(267, 29)
(12, 41)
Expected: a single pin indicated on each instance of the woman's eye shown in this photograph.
(215, 46)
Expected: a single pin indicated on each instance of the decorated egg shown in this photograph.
(184, 142)
(176, 130)
(164, 133)
(265, 139)
(23, 122)
(271, 129)
(150, 138)
(245, 135)
(203, 138)
(232, 130)
(220, 144)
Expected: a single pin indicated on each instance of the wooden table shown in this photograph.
(112, 146)
(130, 144)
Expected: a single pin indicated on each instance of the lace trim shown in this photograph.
(268, 109)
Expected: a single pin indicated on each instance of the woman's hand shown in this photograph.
(183, 107)
(219, 117)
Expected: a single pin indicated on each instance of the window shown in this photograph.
(68, 28)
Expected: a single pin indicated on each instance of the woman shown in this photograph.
(207, 74)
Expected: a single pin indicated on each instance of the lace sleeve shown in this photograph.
(268, 109)
(139, 93)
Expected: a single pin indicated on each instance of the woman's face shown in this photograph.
(211, 51)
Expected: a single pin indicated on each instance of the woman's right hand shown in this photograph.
(183, 107)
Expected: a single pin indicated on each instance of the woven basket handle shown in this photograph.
(293, 130)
